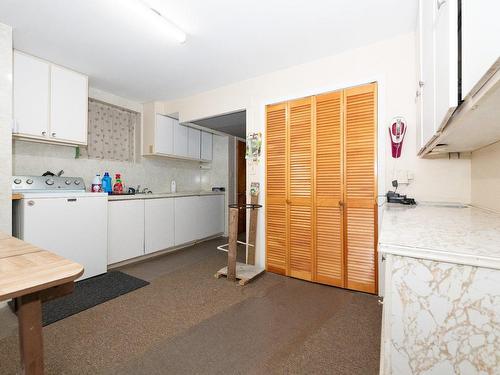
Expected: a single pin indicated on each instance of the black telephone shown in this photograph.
(393, 197)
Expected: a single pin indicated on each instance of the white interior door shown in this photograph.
(68, 105)
(158, 224)
(31, 95)
(74, 228)
(164, 135)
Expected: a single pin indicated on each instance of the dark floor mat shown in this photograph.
(89, 293)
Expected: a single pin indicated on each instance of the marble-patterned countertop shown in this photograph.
(462, 235)
(162, 195)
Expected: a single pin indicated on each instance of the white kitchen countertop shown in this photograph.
(163, 195)
(462, 235)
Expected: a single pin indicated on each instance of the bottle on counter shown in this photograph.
(96, 184)
(173, 187)
(118, 186)
(106, 183)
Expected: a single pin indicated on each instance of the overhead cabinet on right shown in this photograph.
(480, 40)
(458, 61)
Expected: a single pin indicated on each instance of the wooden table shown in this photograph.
(31, 275)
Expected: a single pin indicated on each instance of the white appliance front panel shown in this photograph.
(72, 227)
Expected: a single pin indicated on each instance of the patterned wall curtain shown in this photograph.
(111, 132)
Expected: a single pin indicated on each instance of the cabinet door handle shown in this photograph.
(440, 3)
(54, 134)
(44, 133)
(288, 201)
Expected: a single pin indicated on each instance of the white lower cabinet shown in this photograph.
(143, 226)
(158, 224)
(125, 230)
(187, 219)
(211, 215)
(198, 217)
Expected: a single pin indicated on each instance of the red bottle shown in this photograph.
(118, 186)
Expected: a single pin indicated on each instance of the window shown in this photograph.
(111, 132)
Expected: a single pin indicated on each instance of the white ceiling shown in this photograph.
(228, 40)
(231, 123)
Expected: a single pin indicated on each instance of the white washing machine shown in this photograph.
(57, 214)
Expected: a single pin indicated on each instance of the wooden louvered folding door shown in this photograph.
(276, 189)
(300, 188)
(360, 138)
(329, 191)
(321, 212)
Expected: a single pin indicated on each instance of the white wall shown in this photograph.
(392, 63)
(5, 128)
(218, 173)
(486, 177)
(30, 158)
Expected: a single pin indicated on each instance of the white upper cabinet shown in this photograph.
(180, 139)
(446, 64)
(50, 102)
(480, 40)
(438, 65)
(206, 145)
(426, 71)
(194, 143)
(68, 105)
(459, 74)
(31, 95)
(164, 135)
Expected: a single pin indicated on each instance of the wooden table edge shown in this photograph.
(38, 288)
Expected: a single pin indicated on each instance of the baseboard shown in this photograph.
(161, 252)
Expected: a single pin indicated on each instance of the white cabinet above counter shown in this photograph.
(458, 57)
(164, 136)
(50, 102)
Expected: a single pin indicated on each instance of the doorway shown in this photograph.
(241, 186)
(231, 126)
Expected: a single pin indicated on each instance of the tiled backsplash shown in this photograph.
(30, 158)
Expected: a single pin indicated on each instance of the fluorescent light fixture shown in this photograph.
(164, 24)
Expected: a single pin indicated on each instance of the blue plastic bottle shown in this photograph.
(106, 183)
